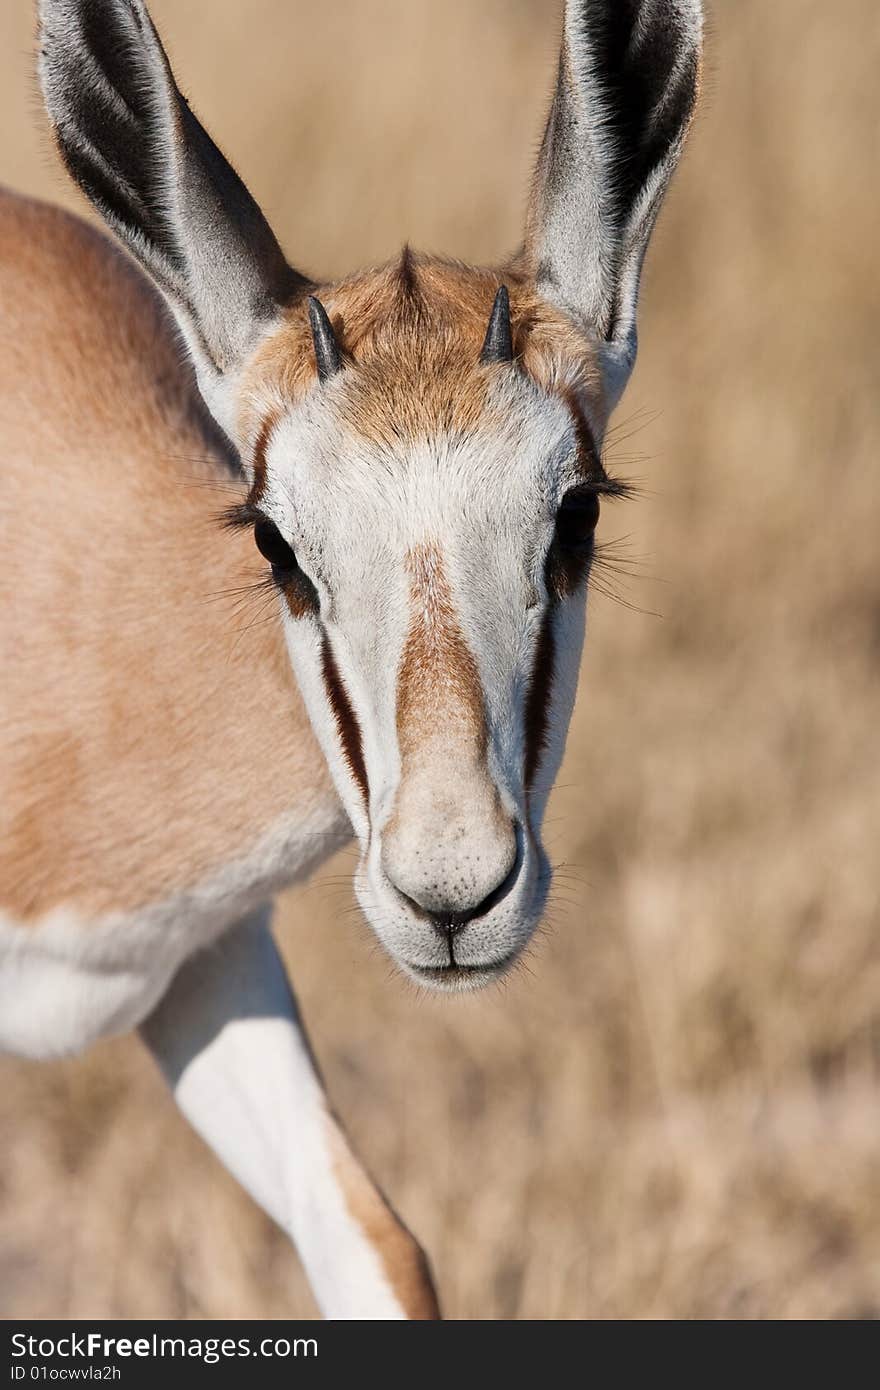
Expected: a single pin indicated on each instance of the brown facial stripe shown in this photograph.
(244, 514)
(299, 593)
(346, 721)
(438, 683)
(537, 715)
(259, 461)
(587, 454)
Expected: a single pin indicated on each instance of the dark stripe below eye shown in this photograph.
(537, 714)
(346, 721)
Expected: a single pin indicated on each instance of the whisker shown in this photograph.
(632, 424)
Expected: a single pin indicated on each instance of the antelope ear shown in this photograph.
(136, 150)
(628, 81)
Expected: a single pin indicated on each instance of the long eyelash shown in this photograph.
(606, 486)
(239, 517)
(240, 595)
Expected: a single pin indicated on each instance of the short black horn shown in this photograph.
(327, 354)
(498, 344)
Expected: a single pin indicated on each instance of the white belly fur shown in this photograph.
(69, 979)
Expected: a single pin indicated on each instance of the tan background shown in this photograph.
(676, 1109)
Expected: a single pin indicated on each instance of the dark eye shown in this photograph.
(576, 519)
(272, 545)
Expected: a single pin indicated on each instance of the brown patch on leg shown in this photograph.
(400, 1255)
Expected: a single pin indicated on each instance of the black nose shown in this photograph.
(449, 924)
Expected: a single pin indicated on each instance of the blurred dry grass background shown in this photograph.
(676, 1110)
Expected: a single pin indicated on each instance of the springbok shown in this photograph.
(415, 451)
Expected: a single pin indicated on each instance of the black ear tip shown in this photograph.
(498, 343)
(327, 354)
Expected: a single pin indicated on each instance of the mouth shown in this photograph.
(457, 978)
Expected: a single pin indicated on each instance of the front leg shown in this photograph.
(229, 1039)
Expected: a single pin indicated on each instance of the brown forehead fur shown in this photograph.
(414, 328)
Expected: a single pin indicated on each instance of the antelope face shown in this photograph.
(424, 487)
(427, 506)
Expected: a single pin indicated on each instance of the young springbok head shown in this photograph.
(421, 445)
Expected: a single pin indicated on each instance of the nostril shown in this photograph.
(457, 920)
(446, 913)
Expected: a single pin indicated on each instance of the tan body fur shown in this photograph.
(127, 772)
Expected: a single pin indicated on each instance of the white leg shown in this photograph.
(229, 1039)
